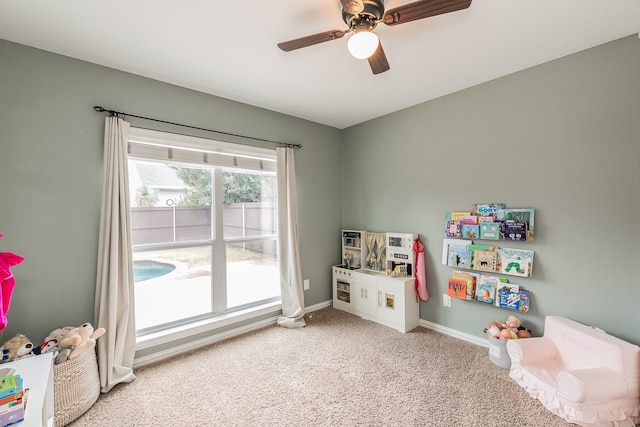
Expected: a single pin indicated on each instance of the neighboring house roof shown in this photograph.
(156, 175)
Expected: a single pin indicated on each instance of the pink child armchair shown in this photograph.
(580, 373)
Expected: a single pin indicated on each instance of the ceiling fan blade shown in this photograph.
(378, 61)
(352, 6)
(423, 9)
(311, 40)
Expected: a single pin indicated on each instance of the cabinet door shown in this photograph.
(365, 298)
(391, 301)
(399, 307)
(343, 290)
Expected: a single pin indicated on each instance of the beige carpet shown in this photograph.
(340, 370)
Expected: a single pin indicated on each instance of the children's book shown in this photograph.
(459, 257)
(457, 288)
(452, 229)
(509, 299)
(486, 288)
(475, 247)
(517, 262)
(506, 288)
(486, 209)
(485, 219)
(513, 230)
(489, 230)
(524, 301)
(12, 417)
(485, 261)
(10, 384)
(519, 215)
(468, 219)
(449, 243)
(455, 216)
(471, 280)
(469, 231)
(514, 300)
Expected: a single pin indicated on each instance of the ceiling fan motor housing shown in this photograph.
(372, 13)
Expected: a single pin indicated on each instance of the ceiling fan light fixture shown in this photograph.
(362, 44)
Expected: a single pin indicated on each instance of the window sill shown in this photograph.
(184, 331)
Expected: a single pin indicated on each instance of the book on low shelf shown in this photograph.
(471, 280)
(517, 300)
(505, 288)
(486, 288)
(457, 288)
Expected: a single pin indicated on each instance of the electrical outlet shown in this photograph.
(306, 284)
(446, 300)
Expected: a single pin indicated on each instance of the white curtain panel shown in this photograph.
(114, 305)
(288, 249)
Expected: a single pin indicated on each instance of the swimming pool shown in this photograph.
(145, 270)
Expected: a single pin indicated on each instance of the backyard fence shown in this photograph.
(173, 224)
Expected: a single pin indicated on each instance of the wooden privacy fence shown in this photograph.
(183, 224)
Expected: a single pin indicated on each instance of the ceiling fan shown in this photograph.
(362, 16)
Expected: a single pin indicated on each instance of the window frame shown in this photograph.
(218, 156)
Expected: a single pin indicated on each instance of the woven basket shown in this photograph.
(76, 387)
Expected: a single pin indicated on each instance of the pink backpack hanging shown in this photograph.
(7, 283)
(421, 280)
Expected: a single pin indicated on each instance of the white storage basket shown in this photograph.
(76, 387)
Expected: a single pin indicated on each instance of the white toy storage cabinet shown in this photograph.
(372, 295)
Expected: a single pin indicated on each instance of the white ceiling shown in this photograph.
(228, 48)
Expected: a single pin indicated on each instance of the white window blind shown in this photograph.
(168, 147)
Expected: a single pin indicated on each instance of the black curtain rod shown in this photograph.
(114, 113)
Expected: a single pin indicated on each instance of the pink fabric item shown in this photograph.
(421, 280)
(7, 283)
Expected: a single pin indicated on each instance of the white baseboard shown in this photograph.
(454, 333)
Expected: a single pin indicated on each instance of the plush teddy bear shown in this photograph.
(15, 348)
(88, 337)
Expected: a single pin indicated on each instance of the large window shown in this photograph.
(204, 228)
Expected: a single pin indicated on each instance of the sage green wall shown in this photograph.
(563, 138)
(51, 172)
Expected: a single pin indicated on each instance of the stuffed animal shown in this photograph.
(88, 337)
(66, 338)
(45, 347)
(15, 348)
(510, 330)
(493, 329)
